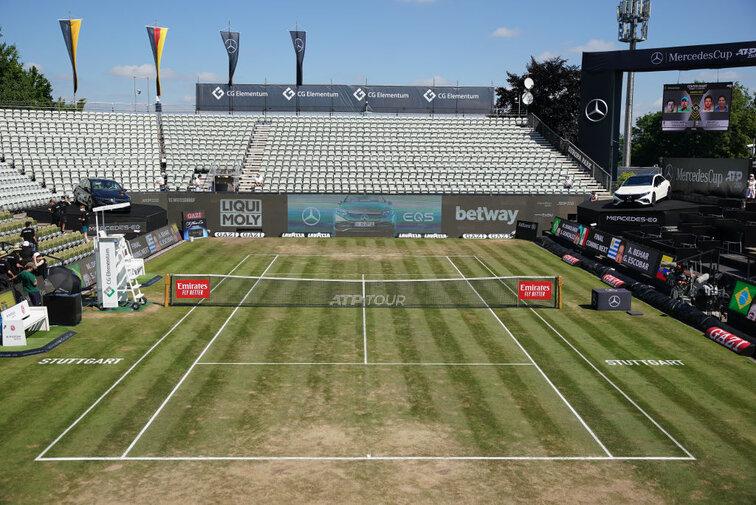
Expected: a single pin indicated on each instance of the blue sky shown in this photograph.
(350, 41)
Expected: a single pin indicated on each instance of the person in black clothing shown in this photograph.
(40, 265)
(6, 273)
(29, 235)
(83, 219)
(14, 268)
(54, 209)
(27, 250)
(62, 214)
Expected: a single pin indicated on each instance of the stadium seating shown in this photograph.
(295, 154)
(18, 191)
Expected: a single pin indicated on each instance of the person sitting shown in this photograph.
(258, 180)
(29, 284)
(568, 182)
(594, 196)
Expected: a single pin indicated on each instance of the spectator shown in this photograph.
(594, 196)
(568, 182)
(751, 189)
(258, 180)
(197, 183)
(40, 265)
(162, 182)
(29, 235)
(83, 219)
(29, 284)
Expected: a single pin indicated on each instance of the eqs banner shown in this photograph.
(364, 215)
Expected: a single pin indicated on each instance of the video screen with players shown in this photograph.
(704, 106)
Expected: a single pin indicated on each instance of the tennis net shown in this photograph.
(457, 292)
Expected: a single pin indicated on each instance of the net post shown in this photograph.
(559, 292)
(166, 298)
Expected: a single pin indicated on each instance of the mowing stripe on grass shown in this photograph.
(689, 455)
(146, 426)
(535, 364)
(127, 372)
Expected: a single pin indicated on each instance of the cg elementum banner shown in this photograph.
(345, 98)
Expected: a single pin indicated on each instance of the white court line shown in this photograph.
(601, 374)
(175, 388)
(374, 458)
(363, 364)
(130, 369)
(364, 321)
(535, 364)
(399, 255)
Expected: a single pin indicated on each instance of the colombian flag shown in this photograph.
(157, 39)
(70, 29)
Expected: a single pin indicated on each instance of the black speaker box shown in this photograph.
(63, 309)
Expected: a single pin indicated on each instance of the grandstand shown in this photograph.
(295, 154)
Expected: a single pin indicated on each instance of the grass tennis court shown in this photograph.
(394, 405)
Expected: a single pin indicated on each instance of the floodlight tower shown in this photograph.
(632, 16)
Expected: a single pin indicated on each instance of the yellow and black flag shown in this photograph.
(70, 28)
(157, 39)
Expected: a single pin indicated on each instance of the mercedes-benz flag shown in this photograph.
(299, 39)
(231, 43)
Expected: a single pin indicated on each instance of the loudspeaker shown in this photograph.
(63, 309)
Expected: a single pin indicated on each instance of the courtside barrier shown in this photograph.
(732, 342)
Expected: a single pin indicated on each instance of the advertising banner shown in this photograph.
(107, 274)
(707, 176)
(231, 43)
(155, 241)
(192, 288)
(364, 215)
(499, 214)
(345, 98)
(534, 290)
(299, 40)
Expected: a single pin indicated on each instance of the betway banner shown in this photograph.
(344, 98)
(708, 176)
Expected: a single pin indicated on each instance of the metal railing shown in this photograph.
(569, 149)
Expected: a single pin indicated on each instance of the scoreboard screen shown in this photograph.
(704, 106)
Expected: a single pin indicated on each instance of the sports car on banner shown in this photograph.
(642, 189)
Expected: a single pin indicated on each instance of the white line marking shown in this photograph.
(535, 364)
(602, 374)
(129, 370)
(175, 388)
(371, 457)
(399, 255)
(364, 321)
(371, 364)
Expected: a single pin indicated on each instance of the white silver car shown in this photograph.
(643, 189)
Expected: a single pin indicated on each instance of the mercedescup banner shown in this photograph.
(345, 98)
(709, 176)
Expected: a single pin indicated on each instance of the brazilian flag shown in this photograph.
(555, 226)
(742, 297)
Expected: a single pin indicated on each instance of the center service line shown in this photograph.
(364, 324)
(133, 443)
(127, 372)
(534, 363)
(599, 372)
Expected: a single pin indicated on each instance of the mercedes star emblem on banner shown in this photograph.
(429, 95)
(668, 172)
(311, 216)
(298, 44)
(218, 93)
(596, 110)
(288, 94)
(359, 94)
(657, 58)
(614, 301)
(231, 46)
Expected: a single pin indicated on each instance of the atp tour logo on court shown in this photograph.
(195, 288)
(241, 213)
(368, 301)
(534, 290)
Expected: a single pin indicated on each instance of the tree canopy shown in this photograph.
(650, 143)
(19, 85)
(556, 94)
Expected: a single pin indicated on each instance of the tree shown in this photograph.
(19, 86)
(650, 143)
(556, 94)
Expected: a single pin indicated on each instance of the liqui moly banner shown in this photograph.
(534, 290)
(193, 288)
(732, 342)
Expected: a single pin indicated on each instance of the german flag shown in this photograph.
(70, 29)
(157, 39)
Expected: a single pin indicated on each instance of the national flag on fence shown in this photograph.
(157, 35)
(614, 248)
(70, 29)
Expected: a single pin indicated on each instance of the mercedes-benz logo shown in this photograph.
(668, 171)
(359, 94)
(231, 46)
(365, 217)
(596, 110)
(657, 58)
(299, 45)
(311, 216)
(614, 301)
